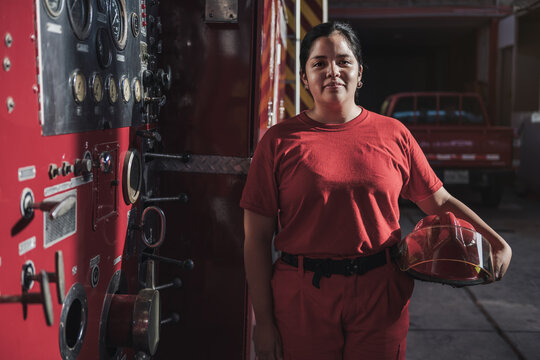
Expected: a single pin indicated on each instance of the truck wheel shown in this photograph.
(492, 196)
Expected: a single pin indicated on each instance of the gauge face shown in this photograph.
(135, 24)
(97, 87)
(54, 7)
(137, 91)
(117, 22)
(78, 86)
(112, 90)
(125, 88)
(80, 17)
(103, 48)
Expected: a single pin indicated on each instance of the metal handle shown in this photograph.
(43, 297)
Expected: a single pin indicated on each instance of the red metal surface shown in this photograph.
(22, 145)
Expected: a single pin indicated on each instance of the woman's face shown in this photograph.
(332, 71)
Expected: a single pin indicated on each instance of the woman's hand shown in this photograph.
(501, 260)
(267, 342)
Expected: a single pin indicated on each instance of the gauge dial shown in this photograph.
(125, 88)
(112, 90)
(103, 48)
(118, 22)
(97, 87)
(54, 7)
(137, 91)
(78, 86)
(80, 17)
(135, 24)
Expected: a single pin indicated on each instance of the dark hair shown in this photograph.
(326, 29)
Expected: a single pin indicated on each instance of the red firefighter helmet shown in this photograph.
(447, 250)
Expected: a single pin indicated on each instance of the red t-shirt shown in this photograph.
(336, 186)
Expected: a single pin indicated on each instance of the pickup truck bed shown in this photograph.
(458, 141)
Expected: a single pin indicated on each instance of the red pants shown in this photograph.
(359, 317)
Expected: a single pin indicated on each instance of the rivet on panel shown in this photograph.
(8, 39)
(10, 104)
(7, 64)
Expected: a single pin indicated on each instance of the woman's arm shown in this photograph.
(259, 231)
(441, 201)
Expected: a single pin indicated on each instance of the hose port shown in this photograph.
(73, 322)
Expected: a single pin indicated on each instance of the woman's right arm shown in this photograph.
(259, 231)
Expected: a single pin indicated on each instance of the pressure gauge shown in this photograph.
(112, 90)
(125, 88)
(54, 7)
(137, 90)
(103, 48)
(118, 22)
(78, 86)
(80, 17)
(97, 87)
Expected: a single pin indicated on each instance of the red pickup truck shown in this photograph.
(461, 145)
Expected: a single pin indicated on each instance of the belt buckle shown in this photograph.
(353, 267)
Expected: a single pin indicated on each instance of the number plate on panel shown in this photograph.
(456, 176)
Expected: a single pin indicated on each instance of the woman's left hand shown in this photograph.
(501, 260)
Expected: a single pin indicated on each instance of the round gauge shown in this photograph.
(137, 90)
(125, 88)
(135, 24)
(54, 7)
(80, 17)
(118, 22)
(102, 5)
(112, 90)
(103, 48)
(97, 87)
(78, 86)
(131, 176)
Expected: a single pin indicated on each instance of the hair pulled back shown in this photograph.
(326, 29)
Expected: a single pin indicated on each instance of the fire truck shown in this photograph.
(127, 132)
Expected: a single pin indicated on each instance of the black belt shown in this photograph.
(328, 267)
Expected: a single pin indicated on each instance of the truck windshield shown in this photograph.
(404, 110)
(471, 111)
(449, 110)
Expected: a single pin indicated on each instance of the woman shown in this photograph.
(332, 176)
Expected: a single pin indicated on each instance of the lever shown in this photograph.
(174, 318)
(153, 135)
(185, 158)
(175, 283)
(184, 264)
(161, 100)
(182, 197)
(43, 297)
(57, 276)
(54, 208)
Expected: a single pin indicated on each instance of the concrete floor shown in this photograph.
(499, 321)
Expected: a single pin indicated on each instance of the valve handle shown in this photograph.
(57, 276)
(174, 318)
(43, 297)
(177, 283)
(54, 208)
